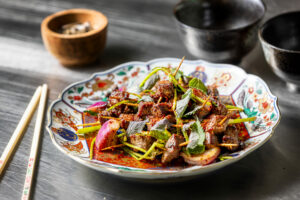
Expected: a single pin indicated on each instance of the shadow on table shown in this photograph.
(112, 56)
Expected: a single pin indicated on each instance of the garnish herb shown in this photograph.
(178, 75)
(185, 128)
(149, 84)
(193, 112)
(173, 80)
(161, 135)
(159, 130)
(182, 104)
(197, 84)
(197, 137)
(161, 125)
(135, 127)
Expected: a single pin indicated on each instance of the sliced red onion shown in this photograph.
(107, 134)
(95, 106)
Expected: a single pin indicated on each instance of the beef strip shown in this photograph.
(226, 100)
(212, 124)
(199, 93)
(115, 97)
(211, 140)
(164, 89)
(142, 141)
(173, 148)
(171, 119)
(206, 109)
(104, 113)
(125, 119)
(128, 109)
(213, 91)
(161, 109)
(231, 136)
(153, 120)
(219, 109)
(144, 109)
(202, 112)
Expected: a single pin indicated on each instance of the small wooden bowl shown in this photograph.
(79, 49)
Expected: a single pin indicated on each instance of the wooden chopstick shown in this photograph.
(35, 145)
(11, 145)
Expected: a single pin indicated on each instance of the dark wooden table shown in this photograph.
(138, 30)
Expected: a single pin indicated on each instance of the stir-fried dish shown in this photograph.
(172, 118)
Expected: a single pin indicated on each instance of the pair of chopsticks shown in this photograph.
(39, 98)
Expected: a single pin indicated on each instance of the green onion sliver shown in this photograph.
(122, 134)
(173, 79)
(134, 94)
(119, 103)
(225, 157)
(132, 153)
(236, 121)
(234, 107)
(148, 91)
(160, 145)
(134, 147)
(88, 130)
(185, 135)
(175, 100)
(149, 75)
(92, 148)
(149, 151)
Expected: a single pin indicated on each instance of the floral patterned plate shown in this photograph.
(247, 91)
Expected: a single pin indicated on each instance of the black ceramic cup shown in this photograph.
(219, 30)
(280, 40)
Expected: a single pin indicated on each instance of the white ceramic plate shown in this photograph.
(247, 91)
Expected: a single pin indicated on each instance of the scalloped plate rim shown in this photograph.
(155, 174)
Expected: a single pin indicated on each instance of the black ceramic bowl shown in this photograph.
(280, 39)
(219, 30)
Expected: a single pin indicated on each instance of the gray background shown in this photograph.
(138, 30)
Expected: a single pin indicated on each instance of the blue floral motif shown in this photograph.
(199, 74)
(67, 134)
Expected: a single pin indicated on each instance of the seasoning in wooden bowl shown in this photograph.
(75, 37)
(76, 28)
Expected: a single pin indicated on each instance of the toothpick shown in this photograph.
(184, 143)
(179, 66)
(223, 120)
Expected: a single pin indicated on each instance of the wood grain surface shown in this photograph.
(138, 30)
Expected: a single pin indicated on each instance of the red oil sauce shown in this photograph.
(116, 156)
